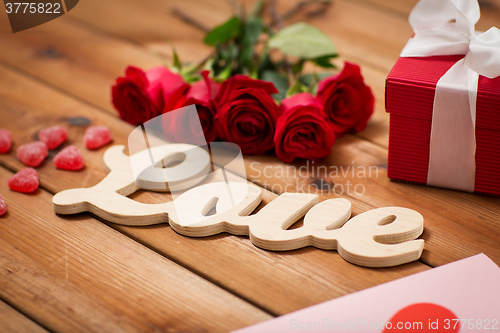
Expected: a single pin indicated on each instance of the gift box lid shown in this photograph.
(411, 85)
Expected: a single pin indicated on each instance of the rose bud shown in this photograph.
(247, 114)
(301, 131)
(202, 94)
(348, 102)
(141, 96)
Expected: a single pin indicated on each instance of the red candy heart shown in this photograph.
(96, 137)
(25, 181)
(69, 159)
(53, 137)
(33, 154)
(5, 141)
(3, 206)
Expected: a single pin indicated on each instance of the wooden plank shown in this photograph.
(150, 23)
(4, 23)
(139, 24)
(277, 282)
(74, 59)
(13, 321)
(63, 49)
(398, 7)
(490, 10)
(78, 275)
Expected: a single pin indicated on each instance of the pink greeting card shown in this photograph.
(463, 296)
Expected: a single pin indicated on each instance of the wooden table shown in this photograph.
(81, 274)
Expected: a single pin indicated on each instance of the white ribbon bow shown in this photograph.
(453, 144)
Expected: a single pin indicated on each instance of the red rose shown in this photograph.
(141, 96)
(302, 132)
(348, 102)
(247, 113)
(202, 94)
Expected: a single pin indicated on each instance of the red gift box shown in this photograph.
(410, 89)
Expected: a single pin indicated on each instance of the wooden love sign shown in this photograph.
(381, 237)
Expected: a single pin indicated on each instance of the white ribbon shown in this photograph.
(453, 143)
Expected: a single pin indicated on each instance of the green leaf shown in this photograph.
(191, 78)
(176, 62)
(251, 32)
(324, 61)
(304, 41)
(246, 55)
(226, 72)
(310, 81)
(189, 69)
(279, 81)
(224, 32)
(254, 74)
(298, 87)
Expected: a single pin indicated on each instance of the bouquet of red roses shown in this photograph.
(260, 100)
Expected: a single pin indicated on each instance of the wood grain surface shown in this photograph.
(13, 321)
(82, 274)
(233, 262)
